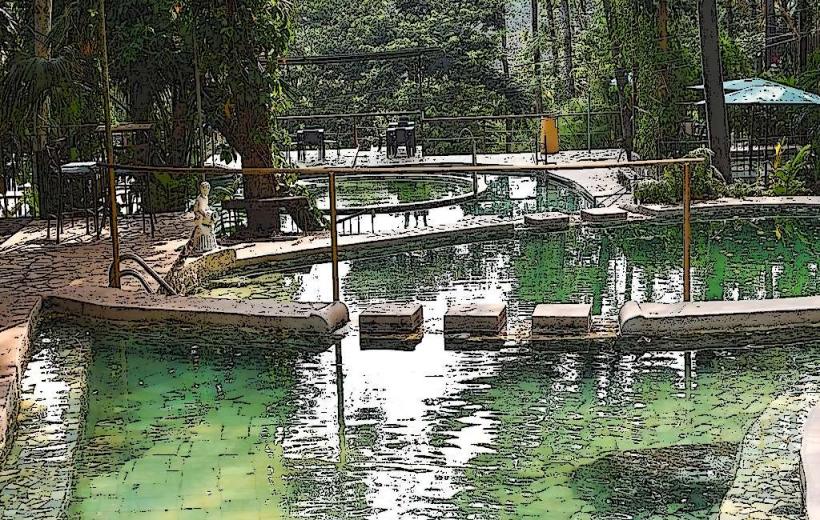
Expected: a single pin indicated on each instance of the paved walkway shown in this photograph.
(32, 265)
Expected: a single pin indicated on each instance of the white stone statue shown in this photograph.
(203, 238)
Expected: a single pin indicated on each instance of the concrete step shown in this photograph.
(391, 318)
(476, 318)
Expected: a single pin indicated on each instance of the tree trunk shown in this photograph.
(536, 57)
(804, 12)
(569, 78)
(663, 44)
(768, 16)
(716, 120)
(42, 29)
(663, 24)
(505, 69)
(730, 18)
(249, 130)
(553, 38)
(620, 80)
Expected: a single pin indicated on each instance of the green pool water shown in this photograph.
(739, 259)
(356, 192)
(184, 423)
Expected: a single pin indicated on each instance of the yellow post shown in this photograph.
(687, 236)
(109, 154)
(334, 240)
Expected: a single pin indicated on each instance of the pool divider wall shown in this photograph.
(663, 319)
(115, 304)
(728, 208)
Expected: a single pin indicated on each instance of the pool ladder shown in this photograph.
(475, 159)
(163, 285)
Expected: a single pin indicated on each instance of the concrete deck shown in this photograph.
(660, 319)
(596, 183)
(115, 304)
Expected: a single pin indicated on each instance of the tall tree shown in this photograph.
(42, 51)
(239, 58)
(716, 120)
(804, 12)
(536, 56)
(569, 79)
(552, 33)
(624, 103)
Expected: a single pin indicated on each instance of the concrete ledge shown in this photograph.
(14, 350)
(549, 221)
(559, 318)
(476, 318)
(391, 318)
(658, 319)
(609, 215)
(114, 304)
(810, 464)
(752, 207)
(767, 476)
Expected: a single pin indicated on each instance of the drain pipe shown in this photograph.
(475, 159)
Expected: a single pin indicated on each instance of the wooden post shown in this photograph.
(687, 236)
(109, 155)
(334, 240)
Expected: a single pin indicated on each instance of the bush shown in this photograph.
(654, 192)
(706, 184)
(742, 190)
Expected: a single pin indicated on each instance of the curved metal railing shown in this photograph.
(138, 276)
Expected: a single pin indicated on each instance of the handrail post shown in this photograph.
(334, 239)
(109, 152)
(687, 236)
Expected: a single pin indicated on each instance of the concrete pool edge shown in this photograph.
(114, 304)
(190, 272)
(810, 464)
(401, 207)
(663, 319)
(727, 208)
(14, 350)
(767, 482)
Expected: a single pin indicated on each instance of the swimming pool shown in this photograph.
(191, 423)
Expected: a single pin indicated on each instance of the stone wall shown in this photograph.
(767, 483)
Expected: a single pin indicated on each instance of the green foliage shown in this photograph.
(789, 176)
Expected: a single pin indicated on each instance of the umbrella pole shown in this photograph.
(766, 148)
(751, 139)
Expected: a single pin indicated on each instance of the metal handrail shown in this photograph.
(472, 138)
(134, 274)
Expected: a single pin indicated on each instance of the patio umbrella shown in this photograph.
(764, 93)
(773, 94)
(734, 85)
